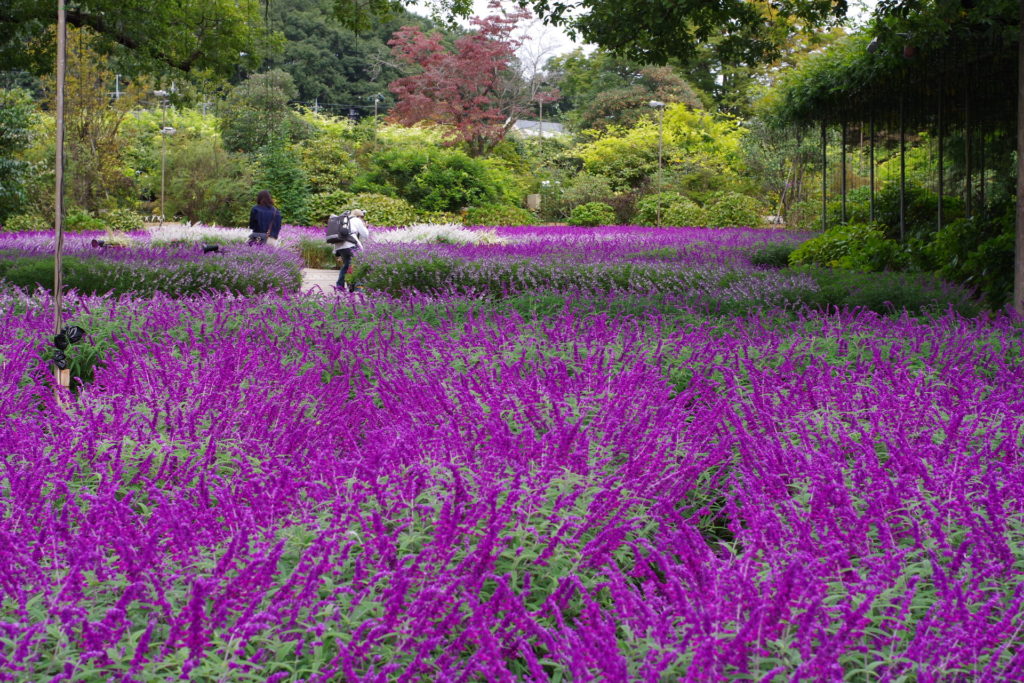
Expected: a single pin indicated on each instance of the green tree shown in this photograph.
(197, 37)
(280, 171)
(95, 144)
(16, 112)
(206, 183)
(256, 112)
(339, 69)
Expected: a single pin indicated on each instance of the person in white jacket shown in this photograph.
(355, 241)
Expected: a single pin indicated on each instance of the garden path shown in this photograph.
(324, 278)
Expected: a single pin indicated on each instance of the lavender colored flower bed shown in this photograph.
(276, 488)
(145, 267)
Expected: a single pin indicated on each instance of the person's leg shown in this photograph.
(346, 260)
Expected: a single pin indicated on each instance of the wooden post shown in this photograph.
(61, 376)
(1018, 265)
(871, 167)
(968, 156)
(941, 168)
(824, 178)
(903, 172)
(842, 167)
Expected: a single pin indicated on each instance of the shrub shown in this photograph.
(383, 210)
(775, 255)
(27, 223)
(836, 244)
(317, 254)
(979, 251)
(882, 292)
(123, 220)
(430, 178)
(438, 217)
(732, 209)
(322, 205)
(675, 210)
(207, 184)
(77, 220)
(591, 214)
(499, 214)
(247, 271)
(281, 173)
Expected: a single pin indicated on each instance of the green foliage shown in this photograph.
(431, 178)
(438, 217)
(499, 214)
(772, 255)
(256, 113)
(882, 292)
(675, 209)
(100, 276)
(979, 252)
(856, 246)
(592, 214)
(16, 112)
(207, 184)
(27, 222)
(732, 209)
(328, 156)
(564, 192)
(383, 210)
(323, 204)
(280, 171)
(123, 220)
(77, 220)
(317, 254)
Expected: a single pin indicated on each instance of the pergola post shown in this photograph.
(842, 166)
(903, 172)
(824, 177)
(968, 155)
(871, 166)
(941, 133)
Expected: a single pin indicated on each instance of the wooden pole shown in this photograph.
(824, 177)
(1018, 265)
(871, 167)
(842, 167)
(61, 376)
(903, 172)
(968, 156)
(941, 168)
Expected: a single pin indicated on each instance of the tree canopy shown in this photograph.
(145, 37)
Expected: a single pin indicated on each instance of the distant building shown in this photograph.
(533, 128)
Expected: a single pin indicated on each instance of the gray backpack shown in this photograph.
(339, 228)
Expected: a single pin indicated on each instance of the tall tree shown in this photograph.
(600, 89)
(335, 67)
(16, 112)
(200, 36)
(472, 86)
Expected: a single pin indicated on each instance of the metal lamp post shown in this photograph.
(165, 130)
(660, 106)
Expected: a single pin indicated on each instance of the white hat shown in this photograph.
(358, 212)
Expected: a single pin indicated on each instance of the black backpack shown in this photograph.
(338, 228)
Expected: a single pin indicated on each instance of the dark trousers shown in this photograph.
(346, 261)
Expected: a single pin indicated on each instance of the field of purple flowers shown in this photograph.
(383, 488)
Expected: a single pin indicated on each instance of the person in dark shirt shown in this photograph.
(264, 219)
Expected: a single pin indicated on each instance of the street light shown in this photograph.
(165, 130)
(660, 106)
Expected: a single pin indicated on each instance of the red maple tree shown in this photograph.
(473, 87)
